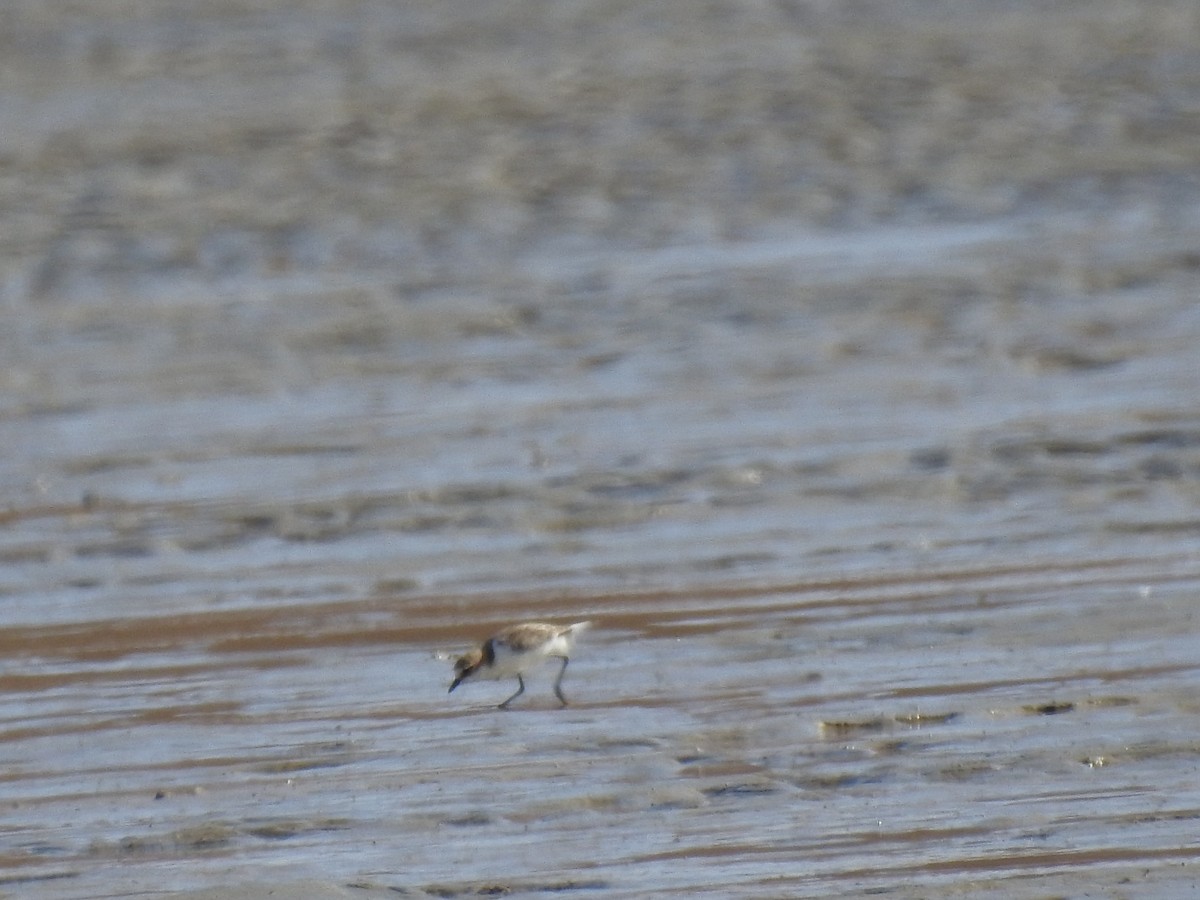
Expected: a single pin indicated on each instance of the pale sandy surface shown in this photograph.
(839, 359)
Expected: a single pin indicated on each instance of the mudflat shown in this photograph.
(837, 360)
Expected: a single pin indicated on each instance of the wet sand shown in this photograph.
(839, 361)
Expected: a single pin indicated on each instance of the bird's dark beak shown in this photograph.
(462, 670)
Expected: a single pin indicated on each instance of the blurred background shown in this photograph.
(337, 332)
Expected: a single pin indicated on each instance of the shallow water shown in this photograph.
(887, 524)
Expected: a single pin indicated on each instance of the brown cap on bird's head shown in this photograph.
(465, 666)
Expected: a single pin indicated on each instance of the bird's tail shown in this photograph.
(577, 629)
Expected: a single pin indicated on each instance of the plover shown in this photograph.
(515, 650)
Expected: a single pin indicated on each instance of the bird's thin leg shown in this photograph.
(558, 682)
(520, 691)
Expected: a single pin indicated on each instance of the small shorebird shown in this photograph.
(517, 649)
